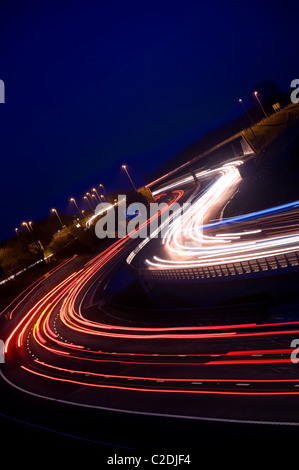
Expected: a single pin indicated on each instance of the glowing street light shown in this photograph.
(95, 191)
(72, 199)
(248, 115)
(91, 200)
(95, 199)
(54, 210)
(17, 231)
(27, 226)
(89, 196)
(250, 125)
(86, 199)
(96, 202)
(30, 225)
(256, 95)
(124, 167)
(102, 186)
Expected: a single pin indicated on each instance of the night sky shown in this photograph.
(94, 84)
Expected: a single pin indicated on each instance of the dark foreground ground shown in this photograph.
(219, 443)
(90, 437)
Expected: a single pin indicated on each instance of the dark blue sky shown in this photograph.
(91, 85)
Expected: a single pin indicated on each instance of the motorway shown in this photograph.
(65, 342)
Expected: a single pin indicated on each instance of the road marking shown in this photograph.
(146, 413)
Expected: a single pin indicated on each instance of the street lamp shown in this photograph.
(95, 191)
(17, 231)
(54, 210)
(91, 200)
(95, 199)
(125, 168)
(250, 125)
(30, 225)
(74, 201)
(86, 199)
(248, 115)
(96, 202)
(256, 95)
(26, 225)
(101, 186)
(89, 195)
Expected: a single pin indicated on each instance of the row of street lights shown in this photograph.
(86, 197)
(90, 198)
(99, 198)
(28, 225)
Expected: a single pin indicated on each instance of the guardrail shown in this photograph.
(223, 271)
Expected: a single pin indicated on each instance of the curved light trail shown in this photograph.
(71, 338)
(193, 241)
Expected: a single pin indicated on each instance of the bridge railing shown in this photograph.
(222, 271)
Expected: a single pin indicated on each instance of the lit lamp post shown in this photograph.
(86, 199)
(248, 115)
(125, 168)
(89, 196)
(95, 199)
(96, 202)
(262, 108)
(250, 125)
(95, 191)
(74, 201)
(54, 210)
(27, 226)
(17, 231)
(102, 198)
(101, 186)
(30, 225)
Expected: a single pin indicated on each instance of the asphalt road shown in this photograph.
(68, 349)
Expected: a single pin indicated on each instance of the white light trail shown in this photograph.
(193, 241)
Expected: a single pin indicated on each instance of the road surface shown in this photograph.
(66, 343)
